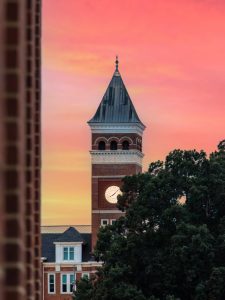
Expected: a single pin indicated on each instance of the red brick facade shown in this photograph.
(56, 265)
(20, 149)
(89, 268)
(108, 174)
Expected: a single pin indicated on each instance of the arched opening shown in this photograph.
(125, 145)
(113, 145)
(101, 145)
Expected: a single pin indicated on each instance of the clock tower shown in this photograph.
(116, 151)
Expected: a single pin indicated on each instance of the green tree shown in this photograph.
(161, 249)
(84, 289)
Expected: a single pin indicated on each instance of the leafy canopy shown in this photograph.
(164, 248)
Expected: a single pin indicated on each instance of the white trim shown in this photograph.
(111, 221)
(67, 282)
(51, 293)
(107, 211)
(85, 273)
(72, 265)
(117, 128)
(100, 139)
(126, 138)
(113, 138)
(102, 220)
(117, 157)
(112, 176)
(68, 243)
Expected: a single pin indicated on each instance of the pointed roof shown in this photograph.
(116, 105)
(70, 235)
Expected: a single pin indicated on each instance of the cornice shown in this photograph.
(117, 157)
(117, 128)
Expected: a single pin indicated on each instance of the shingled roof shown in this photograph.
(49, 238)
(70, 235)
(116, 105)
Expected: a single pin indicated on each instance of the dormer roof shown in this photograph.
(70, 235)
(51, 234)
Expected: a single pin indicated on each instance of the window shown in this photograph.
(67, 283)
(68, 253)
(113, 145)
(112, 221)
(72, 283)
(104, 222)
(71, 253)
(86, 275)
(125, 145)
(51, 283)
(101, 145)
(64, 283)
(65, 253)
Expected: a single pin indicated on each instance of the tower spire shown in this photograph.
(117, 63)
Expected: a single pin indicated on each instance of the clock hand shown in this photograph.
(115, 193)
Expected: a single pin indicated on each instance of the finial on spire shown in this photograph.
(117, 62)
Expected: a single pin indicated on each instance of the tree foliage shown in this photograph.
(161, 249)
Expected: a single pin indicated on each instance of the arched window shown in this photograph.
(125, 145)
(101, 145)
(113, 145)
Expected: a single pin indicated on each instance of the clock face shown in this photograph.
(111, 193)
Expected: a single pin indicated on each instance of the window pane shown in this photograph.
(71, 282)
(71, 278)
(71, 288)
(64, 283)
(71, 253)
(64, 279)
(51, 278)
(51, 283)
(51, 288)
(64, 288)
(65, 253)
(104, 222)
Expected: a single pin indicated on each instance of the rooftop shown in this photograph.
(116, 105)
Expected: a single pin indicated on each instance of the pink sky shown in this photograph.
(172, 60)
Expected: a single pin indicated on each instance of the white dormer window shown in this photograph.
(68, 253)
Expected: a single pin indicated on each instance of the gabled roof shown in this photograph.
(70, 235)
(116, 105)
(50, 237)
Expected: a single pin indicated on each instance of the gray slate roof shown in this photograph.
(48, 246)
(116, 105)
(70, 235)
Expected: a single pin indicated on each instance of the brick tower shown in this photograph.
(116, 151)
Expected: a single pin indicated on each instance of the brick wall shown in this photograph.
(20, 149)
(100, 172)
(96, 221)
(69, 269)
(115, 170)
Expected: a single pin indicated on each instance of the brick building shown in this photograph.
(20, 155)
(116, 151)
(66, 255)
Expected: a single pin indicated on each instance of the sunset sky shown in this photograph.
(172, 61)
